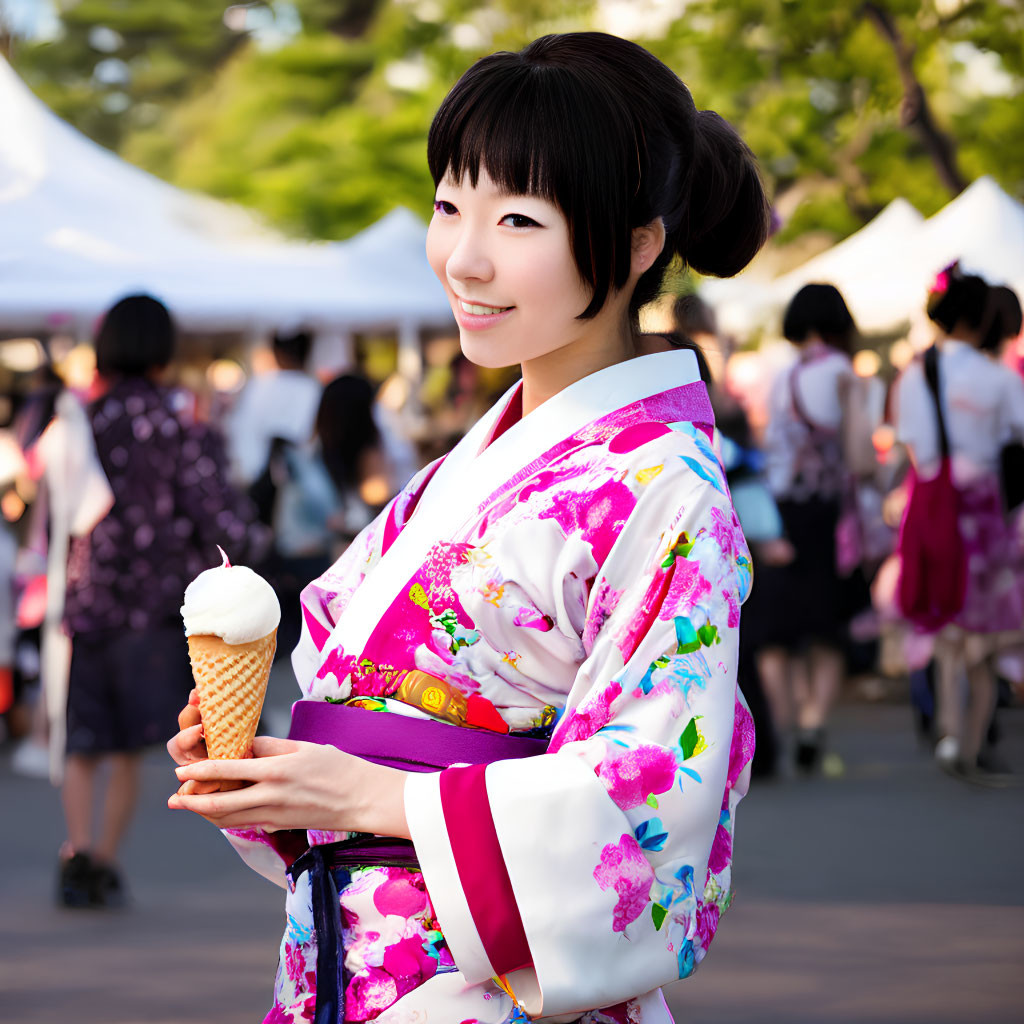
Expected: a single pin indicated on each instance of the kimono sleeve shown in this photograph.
(596, 872)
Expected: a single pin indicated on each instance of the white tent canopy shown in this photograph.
(884, 269)
(877, 253)
(983, 228)
(79, 228)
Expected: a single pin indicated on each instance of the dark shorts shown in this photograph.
(126, 689)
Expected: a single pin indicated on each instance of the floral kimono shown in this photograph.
(576, 574)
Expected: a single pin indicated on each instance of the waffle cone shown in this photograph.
(232, 683)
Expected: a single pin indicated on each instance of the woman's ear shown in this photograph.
(647, 243)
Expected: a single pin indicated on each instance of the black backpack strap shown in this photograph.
(931, 376)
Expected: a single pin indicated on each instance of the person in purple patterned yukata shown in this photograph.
(565, 584)
(129, 663)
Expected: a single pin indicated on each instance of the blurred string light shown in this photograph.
(867, 363)
(78, 367)
(21, 355)
(225, 376)
(900, 353)
(12, 507)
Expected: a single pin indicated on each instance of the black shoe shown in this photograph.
(809, 745)
(107, 888)
(74, 881)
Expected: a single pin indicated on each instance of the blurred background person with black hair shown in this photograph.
(803, 606)
(169, 508)
(983, 408)
(353, 449)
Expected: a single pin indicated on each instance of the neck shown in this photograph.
(546, 375)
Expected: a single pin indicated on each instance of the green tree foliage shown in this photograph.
(315, 112)
(118, 66)
(816, 91)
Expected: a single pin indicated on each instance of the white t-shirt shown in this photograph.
(983, 403)
(278, 404)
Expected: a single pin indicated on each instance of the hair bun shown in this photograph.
(957, 298)
(729, 214)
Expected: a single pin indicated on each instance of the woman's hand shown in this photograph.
(296, 785)
(188, 745)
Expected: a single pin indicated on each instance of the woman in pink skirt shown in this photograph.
(983, 407)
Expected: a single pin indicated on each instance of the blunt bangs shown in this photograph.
(560, 134)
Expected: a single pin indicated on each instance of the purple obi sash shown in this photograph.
(396, 741)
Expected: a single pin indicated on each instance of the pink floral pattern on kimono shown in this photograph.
(631, 776)
(625, 869)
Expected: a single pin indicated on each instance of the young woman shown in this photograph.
(983, 408)
(171, 504)
(565, 584)
(800, 608)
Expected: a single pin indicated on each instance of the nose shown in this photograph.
(469, 259)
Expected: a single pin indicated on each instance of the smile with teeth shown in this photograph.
(477, 310)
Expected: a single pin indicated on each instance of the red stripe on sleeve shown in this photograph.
(481, 867)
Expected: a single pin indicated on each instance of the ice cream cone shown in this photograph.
(232, 684)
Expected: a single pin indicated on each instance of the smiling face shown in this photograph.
(506, 264)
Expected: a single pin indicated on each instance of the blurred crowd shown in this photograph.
(883, 508)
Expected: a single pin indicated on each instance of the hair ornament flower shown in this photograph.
(943, 278)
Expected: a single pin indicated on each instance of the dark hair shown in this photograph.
(603, 129)
(693, 316)
(819, 309)
(1002, 318)
(136, 336)
(293, 349)
(346, 427)
(957, 298)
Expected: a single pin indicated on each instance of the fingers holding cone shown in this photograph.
(231, 677)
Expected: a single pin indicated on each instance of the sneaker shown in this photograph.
(947, 751)
(74, 881)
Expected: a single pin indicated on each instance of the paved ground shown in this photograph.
(892, 894)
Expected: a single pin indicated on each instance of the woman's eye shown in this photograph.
(443, 207)
(519, 220)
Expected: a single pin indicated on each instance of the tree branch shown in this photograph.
(915, 112)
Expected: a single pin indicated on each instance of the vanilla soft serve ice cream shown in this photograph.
(232, 602)
(231, 616)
